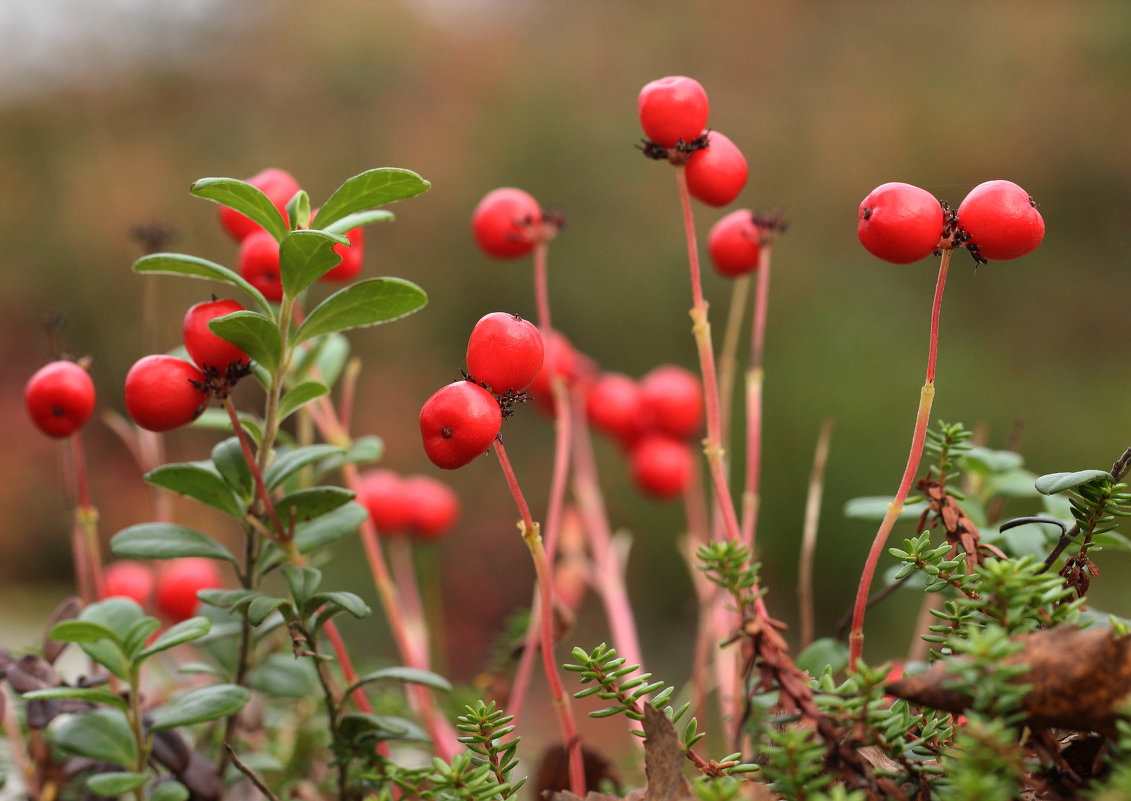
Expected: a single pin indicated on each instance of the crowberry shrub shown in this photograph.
(1001, 220)
(59, 398)
(504, 352)
(458, 423)
(716, 173)
(672, 109)
(734, 244)
(164, 392)
(279, 186)
(900, 223)
(506, 223)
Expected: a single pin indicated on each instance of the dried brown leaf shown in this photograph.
(68, 610)
(663, 759)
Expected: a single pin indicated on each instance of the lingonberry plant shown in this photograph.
(213, 666)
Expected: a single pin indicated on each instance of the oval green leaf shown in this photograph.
(298, 209)
(112, 785)
(102, 735)
(229, 460)
(405, 675)
(305, 256)
(366, 303)
(876, 507)
(346, 601)
(166, 541)
(200, 481)
(1053, 483)
(170, 790)
(195, 267)
(244, 198)
(307, 504)
(92, 695)
(200, 705)
(289, 462)
(319, 532)
(82, 631)
(371, 188)
(186, 631)
(300, 395)
(255, 334)
(357, 219)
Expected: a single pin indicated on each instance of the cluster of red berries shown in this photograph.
(259, 250)
(419, 507)
(653, 420)
(460, 421)
(997, 221)
(165, 392)
(673, 114)
(171, 588)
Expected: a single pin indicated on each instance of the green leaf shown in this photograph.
(1058, 482)
(300, 395)
(263, 607)
(303, 582)
(92, 695)
(346, 601)
(194, 267)
(358, 219)
(371, 188)
(229, 460)
(298, 209)
(112, 785)
(1113, 540)
(244, 198)
(366, 303)
(1012, 484)
(405, 675)
(82, 631)
(283, 676)
(986, 460)
(119, 616)
(228, 599)
(332, 357)
(289, 462)
(253, 333)
(362, 450)
(307, 504)
(320, 532)
(200, 481)
(876, 507)
(138, 633)
(200, 705)
(823, 652)
(170, 790)
(305, 256)
(102, 735)
(185, 631)
(360, 725)
(166, 541)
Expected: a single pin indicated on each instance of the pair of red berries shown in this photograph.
(420, 507)
(673, 114)
(460, 421)
(901, 223)
(172, 588)
(59, 398)
(164, 392)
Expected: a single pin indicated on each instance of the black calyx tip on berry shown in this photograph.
(866, 212)
(446, 432)
(652, 150)
(509, 399)
(772, 223)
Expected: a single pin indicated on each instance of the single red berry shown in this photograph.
(458, 423)
(129, 579)
(717, 173)
(734, 244)
(382, 492)
(352, 257)
(559, 356)
(675, 400)
(1002, 220)
(205, 348)
(504, 352)
(900, 223)
(506, 222)
(661, 466)
(279, 186)
(164, 392)
(259, 264)
(178, 582)
(433, 507)
(59, 398)
(614, 404)
(672, 109)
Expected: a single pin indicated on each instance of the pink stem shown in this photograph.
(88, 552)
(751, 496)
(283, 534)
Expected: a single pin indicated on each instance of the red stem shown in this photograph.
(284, 534)
(751, 496)
(88, 557)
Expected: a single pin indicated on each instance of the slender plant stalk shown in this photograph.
(728, 356)
(918, 437)
(809, 531)
(88, 552)
(752, 491)
(256, 468)
(533, 539)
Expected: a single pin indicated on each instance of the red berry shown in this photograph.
(129, 579)
(675, 400)
(661, 466)
(279, 186)
(900, 223)
(383, 494)
(1002, 220)
(433, 507)
(205, 348)
(458, 423)
(735, 244)
(506, 222)
(164, 392)
(717, 173)
(672, 109)
(352, 257)
(259, 264)
(558, 353)
(59, 398)
(614, 403)
(505, 352)
(180, 580)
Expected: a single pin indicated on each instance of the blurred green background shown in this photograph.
(107, 115)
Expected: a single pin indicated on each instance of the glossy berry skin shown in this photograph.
(1002, 220)
(734, 244)
(614, 404)
(279, 186)
(352, 257)
(178, 582)
(717, 173)
(674, 399)
(259, 264)
(505, 352)
(458, 423)
(900, 223)
(661, 466)
(164, 392)
(506, 222)
(205, 348)
(672, 109)
(382, 492)
(129, 579)
(433, 507)
(59, 398)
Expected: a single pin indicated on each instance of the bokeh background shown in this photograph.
(109, 111)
